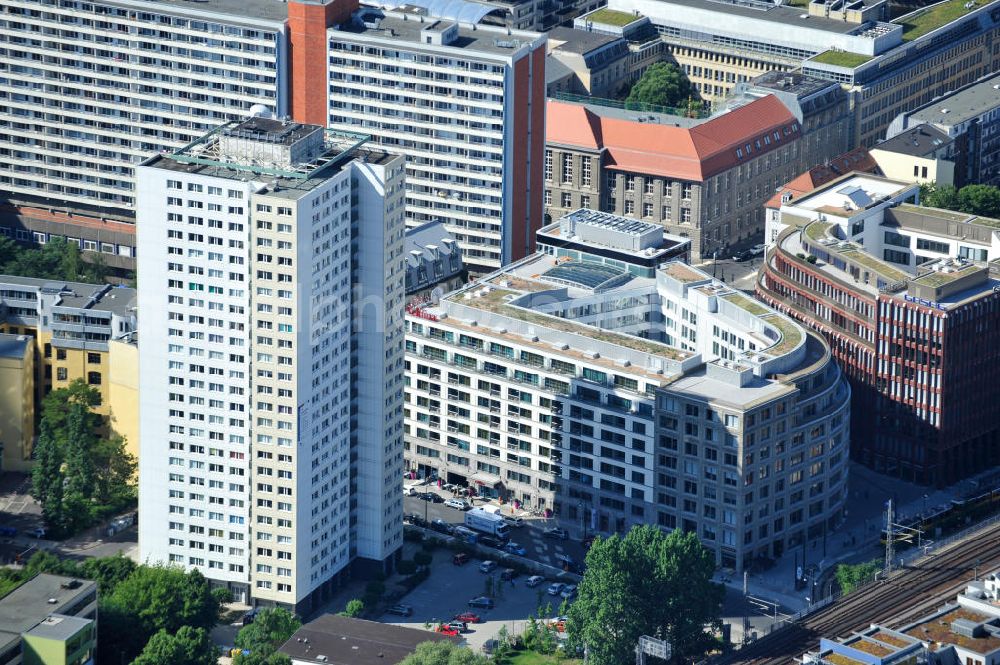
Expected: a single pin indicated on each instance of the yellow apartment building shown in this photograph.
(68, 331)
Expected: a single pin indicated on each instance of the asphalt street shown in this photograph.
(539, 548)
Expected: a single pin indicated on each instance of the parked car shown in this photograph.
(508, 574)
(250, 615)
(482, 601)
(8, 531)
(490, 541)
(564, 560)
(414, 519)
(514, 548)
(446, 629)
(410, 490)
(468, 617)
(457, 504)
(569, 591)
(513, 522)
(460, 559)
(556, 532)
(37, 532)
(431, 496)
(535, 580)
(556, 588)
(400, 610)
(745, 255)
(459, 626)
(442, 527)
(487, 566)
(757, 250)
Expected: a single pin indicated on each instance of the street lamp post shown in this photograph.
(923, 518)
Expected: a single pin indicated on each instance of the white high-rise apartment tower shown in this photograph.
(465, 102)
(271, 358)
(89, 89)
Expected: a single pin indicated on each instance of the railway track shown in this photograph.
(900, 599)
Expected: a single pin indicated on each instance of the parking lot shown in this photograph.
(448, 590)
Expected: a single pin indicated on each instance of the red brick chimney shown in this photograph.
(308, 21)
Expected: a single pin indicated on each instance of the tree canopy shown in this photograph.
(188, 646)
(850, 576)
(151, 599)
(443, 653)
(107, 571)
(270, 629)
(68, 454)
(646, 583)
(56, 259)
(972, 199)
(663, 84)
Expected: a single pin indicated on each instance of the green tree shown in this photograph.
(443, 653)
(663, 84)
(108, 571)
(79, 470)
(980, 200)
(151, 599)
(850, 576)
(115, 487)
(47, 476)
(8, 252)
(270, 629)
(647, 583)
(354, 608)
(188, 646)
(68, 453)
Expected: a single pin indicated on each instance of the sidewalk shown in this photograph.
(856, 540)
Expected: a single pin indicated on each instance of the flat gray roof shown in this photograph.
(28, 604)
(14, 346)
(290, 188)
(59, 627)
(341, 640)
(267, 10)
(917, 141)
(116, 299)
(579, 41)
(643, 116)
(963, 104)
(796, 83)
(395, 27)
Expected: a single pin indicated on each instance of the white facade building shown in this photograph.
(90, 89)
(274, 295)
(615, 399)
(879, 214)
(465, 105)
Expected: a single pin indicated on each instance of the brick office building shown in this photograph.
(905, 297)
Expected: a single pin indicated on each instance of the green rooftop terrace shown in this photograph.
(816, 231)
(857, 255)
(684, 273)
(747, 304)
(951, 215)
(496, 301)
(841, 59)
(921, 22)
(791, 335)
(612, 17)
(936, 279)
